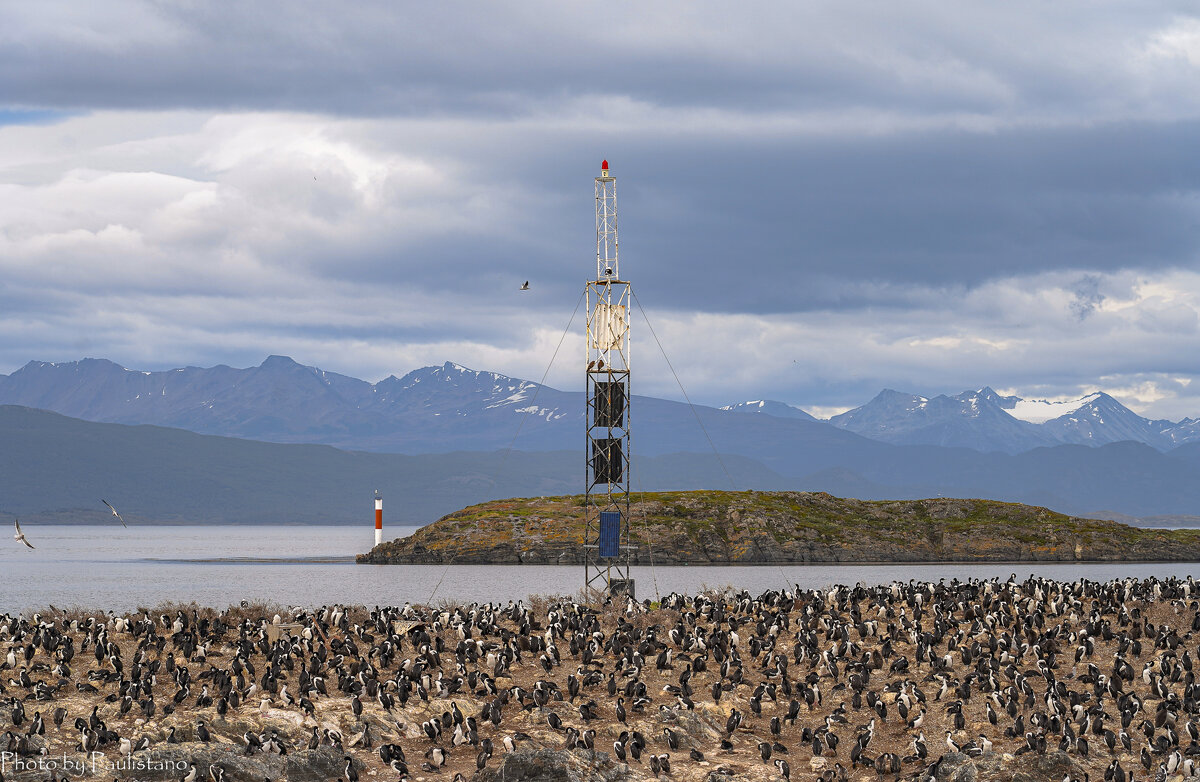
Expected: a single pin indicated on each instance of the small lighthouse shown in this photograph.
(378, 517)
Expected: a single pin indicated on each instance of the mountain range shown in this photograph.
(1086, 457)
(984, 420)
(987, 421)
(437, 409)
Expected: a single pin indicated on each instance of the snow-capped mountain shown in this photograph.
(985, 421)
(1102, 419)
(1185, 431)
(972, 419)
(444, 408)
(434, 409)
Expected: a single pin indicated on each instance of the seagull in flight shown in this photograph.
(114, 512)
(20, 536)
(525, 287)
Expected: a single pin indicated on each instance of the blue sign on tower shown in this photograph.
(610, 533)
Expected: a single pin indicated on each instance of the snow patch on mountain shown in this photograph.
(1039, 411)
(769, 407)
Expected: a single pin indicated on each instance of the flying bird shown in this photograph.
(525, 287)
(114, 512)
(20, 536)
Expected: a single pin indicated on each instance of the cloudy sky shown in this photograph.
(817, 200)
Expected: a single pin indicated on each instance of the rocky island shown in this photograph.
(754, 527)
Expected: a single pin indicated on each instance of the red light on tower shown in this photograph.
(604, 167)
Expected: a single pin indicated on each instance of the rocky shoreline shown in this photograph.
(742, 528)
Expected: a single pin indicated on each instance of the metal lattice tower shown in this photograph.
(606, 541)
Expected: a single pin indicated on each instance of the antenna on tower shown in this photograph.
(606, 541)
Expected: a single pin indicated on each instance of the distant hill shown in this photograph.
(57, 468)
(1158, 522)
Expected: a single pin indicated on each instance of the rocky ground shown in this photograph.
(713, 528)
(1017, 680)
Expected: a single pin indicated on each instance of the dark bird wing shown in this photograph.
(114, 512)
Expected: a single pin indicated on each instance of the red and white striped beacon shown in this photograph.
(378, 517)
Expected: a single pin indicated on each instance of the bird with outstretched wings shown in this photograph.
(114, 512)
(20, 536)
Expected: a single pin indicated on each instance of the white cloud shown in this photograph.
(1179, 40)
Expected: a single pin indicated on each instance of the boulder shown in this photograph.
(998, 767)
(549, 765)
(697, 730)
(721, 774)
(317, 765)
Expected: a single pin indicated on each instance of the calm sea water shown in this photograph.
(109, 567)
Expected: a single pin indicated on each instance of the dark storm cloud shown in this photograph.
(800, 224)
(924, 145)
(932, 210)
(494, 58)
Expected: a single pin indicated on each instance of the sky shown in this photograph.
(816, 200)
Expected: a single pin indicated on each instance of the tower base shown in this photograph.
(623, 587)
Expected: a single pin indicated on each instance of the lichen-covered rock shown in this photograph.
(318, 765)
(548, 765)
(694, 729)
(1002, 767)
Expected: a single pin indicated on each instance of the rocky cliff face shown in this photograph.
(677, 528)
